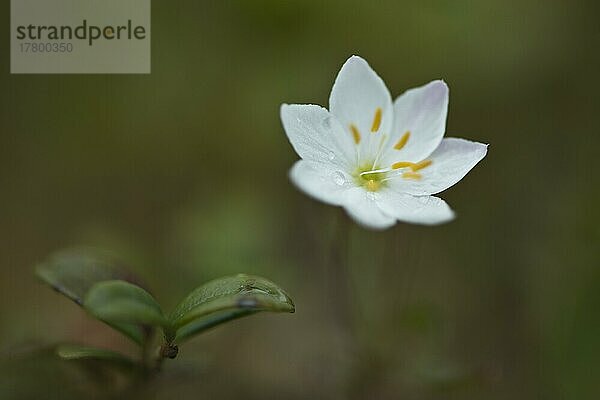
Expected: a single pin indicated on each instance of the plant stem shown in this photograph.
(350, 279)
(166, 350)
(339, 280)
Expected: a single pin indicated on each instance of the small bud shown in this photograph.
(169, 351)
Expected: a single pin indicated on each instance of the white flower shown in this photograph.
(381, 161)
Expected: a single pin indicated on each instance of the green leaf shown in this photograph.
(121, 302)
(76, 352)
(137, 333)
(66, 372)
(73, 272)
(37, 373)
(226, 299)
(203, 324)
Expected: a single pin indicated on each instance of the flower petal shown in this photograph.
(316, 135)
(357, 95)
(424, 210)
(422, 113)
(321, 181)
(362, 207)
(451, 161)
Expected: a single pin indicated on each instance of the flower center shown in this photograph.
(372, 177)
(368, 177)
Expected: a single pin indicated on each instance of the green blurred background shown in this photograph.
(183, 173)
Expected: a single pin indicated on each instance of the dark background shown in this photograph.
(183, 173)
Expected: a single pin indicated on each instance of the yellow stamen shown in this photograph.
(421, 165)
(372, 185)
(355, 133)
(402, 142)
(411, 175)
(376, 120)
(402, 164)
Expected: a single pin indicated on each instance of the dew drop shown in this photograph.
(331, 156)
(339, 178)
(247, 302)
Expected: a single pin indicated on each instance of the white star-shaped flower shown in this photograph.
(380, 160)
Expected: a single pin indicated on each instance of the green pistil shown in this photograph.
(372, 182)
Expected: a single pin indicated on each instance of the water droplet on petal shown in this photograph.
(371, 196)
(339, 178)
(331, 156)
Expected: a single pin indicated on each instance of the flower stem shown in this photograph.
(339, 280)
